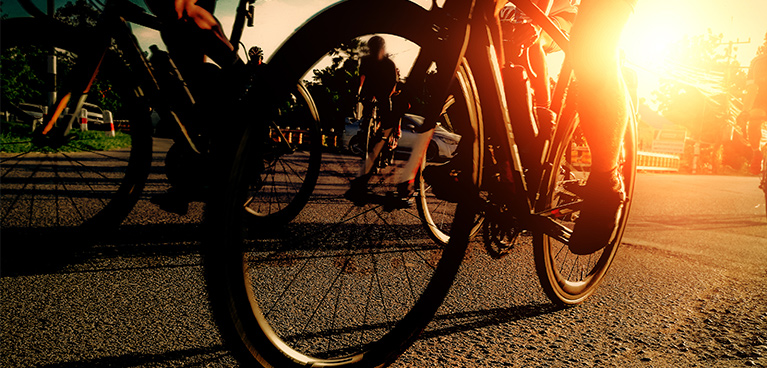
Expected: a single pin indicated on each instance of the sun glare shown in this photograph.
(651, 31)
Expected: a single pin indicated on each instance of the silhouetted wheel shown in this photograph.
(344, 283)
(67, 177)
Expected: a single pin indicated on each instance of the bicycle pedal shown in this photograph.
(394, 202)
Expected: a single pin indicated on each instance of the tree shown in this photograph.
(24, 68)
(21, 78)
(334, 88)
(702, 81)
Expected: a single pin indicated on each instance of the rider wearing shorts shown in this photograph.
(378, 80)
(755, 107)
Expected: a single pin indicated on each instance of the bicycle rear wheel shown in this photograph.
(342, 284)
(437, 214)
(82, 177)
(567, 278)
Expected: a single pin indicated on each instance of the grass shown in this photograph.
(15, 137)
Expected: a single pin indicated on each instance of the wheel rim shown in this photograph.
(572, 277)
(340, 276)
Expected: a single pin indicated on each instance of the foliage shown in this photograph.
(334, 88)
(78, 14)
(24, 69)
(21, 78)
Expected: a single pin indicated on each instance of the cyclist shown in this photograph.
(603, 112)
(378, 80)
(191, 32)
(604, 115)
(755, 107)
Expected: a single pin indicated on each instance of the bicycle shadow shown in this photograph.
(50, 250)
(194, 356)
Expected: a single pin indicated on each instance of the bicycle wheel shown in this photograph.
(82, 177)
(437, 214)
(291, 163)
(342, 284)
(567, 278)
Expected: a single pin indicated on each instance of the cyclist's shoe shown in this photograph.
(402, 198)
(445, 181)
(756, 163)
(358, 192)
(173, 201)
(603, 201)
(406, 189)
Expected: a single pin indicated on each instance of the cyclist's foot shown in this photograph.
(358, 192)
(402, 198)
(445, 181)
(405, 189)
(756, 163)
(173, 201)
(603, 201)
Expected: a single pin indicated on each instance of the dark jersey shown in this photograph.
(380, 77)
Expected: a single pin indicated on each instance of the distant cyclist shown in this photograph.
(755, 106)
(378, 80)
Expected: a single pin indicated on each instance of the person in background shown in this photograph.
(755, 107)
(378, 79)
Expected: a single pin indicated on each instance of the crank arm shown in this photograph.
(550, 227)
(561, 210)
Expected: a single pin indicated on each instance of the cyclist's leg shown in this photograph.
(603, 111)
(601, 93)
(192, 26)
(358, 188)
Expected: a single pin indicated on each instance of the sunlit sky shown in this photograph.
(655, 25)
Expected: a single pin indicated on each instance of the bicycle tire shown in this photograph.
(289, 201)
(242, 322)
(87, 185)
(438, 215)
(550, 263)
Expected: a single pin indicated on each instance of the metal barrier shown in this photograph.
(657, 162)
(301, 137)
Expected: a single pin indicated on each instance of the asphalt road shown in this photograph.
(686, 289)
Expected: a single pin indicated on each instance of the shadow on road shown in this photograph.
(50, 250)
(195, 356)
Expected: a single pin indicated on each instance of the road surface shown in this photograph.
(686, 289)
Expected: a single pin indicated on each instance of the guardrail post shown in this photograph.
(83, 120)
(109, 120)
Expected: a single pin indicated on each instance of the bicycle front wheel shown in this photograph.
(343, 284)
(567, 278)
(90, 174)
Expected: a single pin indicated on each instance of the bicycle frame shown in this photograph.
(113, 24)
(482, 47)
